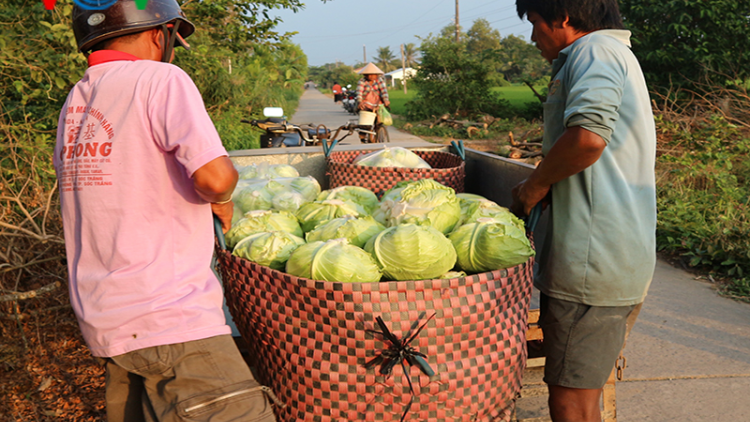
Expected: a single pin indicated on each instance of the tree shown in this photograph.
(681, 42)
(331, 73)
(384, 59)
(451, 80)
(482, 37)
(520, 61)
(411, 55)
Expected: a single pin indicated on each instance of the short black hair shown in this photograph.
(585, 15)
(106, 44)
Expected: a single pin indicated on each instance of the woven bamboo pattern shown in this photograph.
(447, 169)
(310, 342)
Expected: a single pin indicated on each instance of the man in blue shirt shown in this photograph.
(598, 177)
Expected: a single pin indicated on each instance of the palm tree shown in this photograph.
(410, 55)
(384, 58)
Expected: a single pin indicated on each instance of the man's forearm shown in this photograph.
(576, 150)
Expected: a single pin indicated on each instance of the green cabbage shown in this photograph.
(452, 274)
(465, 196)
(312, 214)
(237, 213)
(356, 230)
(288, 201)
(252, 197)
(271, 249)
(356, 194)
(266, 171)
(392, 157)
(490, 244)
(334, 260)
(412, 252)
(283, 194)
(471, 211)
(423, 202)
(281, 170)
(262, 221)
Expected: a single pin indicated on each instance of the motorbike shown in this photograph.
(280, 134)
(349, 102)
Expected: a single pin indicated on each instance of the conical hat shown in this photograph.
(370, 69)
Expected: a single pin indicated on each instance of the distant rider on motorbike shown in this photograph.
(371, 90)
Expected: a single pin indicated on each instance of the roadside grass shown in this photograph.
(517, 95)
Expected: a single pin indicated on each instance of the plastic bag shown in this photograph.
(392, 157)
(385, 115)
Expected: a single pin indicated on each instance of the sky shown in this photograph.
(342, 30)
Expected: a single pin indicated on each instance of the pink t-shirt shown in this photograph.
(138, 237)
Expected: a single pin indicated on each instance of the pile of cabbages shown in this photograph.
(418, 230)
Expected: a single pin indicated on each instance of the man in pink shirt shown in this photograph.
(142, 171)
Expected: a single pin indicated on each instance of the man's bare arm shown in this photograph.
(576, 150)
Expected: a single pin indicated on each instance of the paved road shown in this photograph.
(689, 353)
(317, 108)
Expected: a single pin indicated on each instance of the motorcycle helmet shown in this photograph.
(123, 17)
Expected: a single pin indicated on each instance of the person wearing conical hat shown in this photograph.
(371, 90)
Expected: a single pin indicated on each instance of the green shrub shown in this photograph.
(451, 80)
(703, 195)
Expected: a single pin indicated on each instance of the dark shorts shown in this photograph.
(195, 381)
(581, 342)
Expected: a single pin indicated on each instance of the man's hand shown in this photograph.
(525, 196)
(573, 152)
(224, 212)
(387, 103)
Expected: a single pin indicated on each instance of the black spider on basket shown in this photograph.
(400, 351)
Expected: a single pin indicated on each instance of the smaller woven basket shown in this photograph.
(447, 169)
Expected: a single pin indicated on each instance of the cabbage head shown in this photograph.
(288, 201)
(356, 230)
(424, 202)
(276, 171)
(283, 194)
(312, 214)
(262, 221)
(237, 214)
(252, 197)
(271, 249)
(266, 171)
(356, 194)
(412, 252)
(468, 197)
(334, 260)
(307, 186)
(474, 210)
(452, 274)
(392, 157)
(490, 244)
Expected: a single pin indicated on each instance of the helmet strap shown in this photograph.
(170, 34)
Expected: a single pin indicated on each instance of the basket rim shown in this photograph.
(336, 154)
(437, 283)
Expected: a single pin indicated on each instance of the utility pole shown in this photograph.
(403, 68)
(458, 30)
(364, 54)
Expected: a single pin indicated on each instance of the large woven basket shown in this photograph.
(447, 169)
(310, 342)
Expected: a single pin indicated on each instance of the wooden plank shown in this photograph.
(609, 399)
